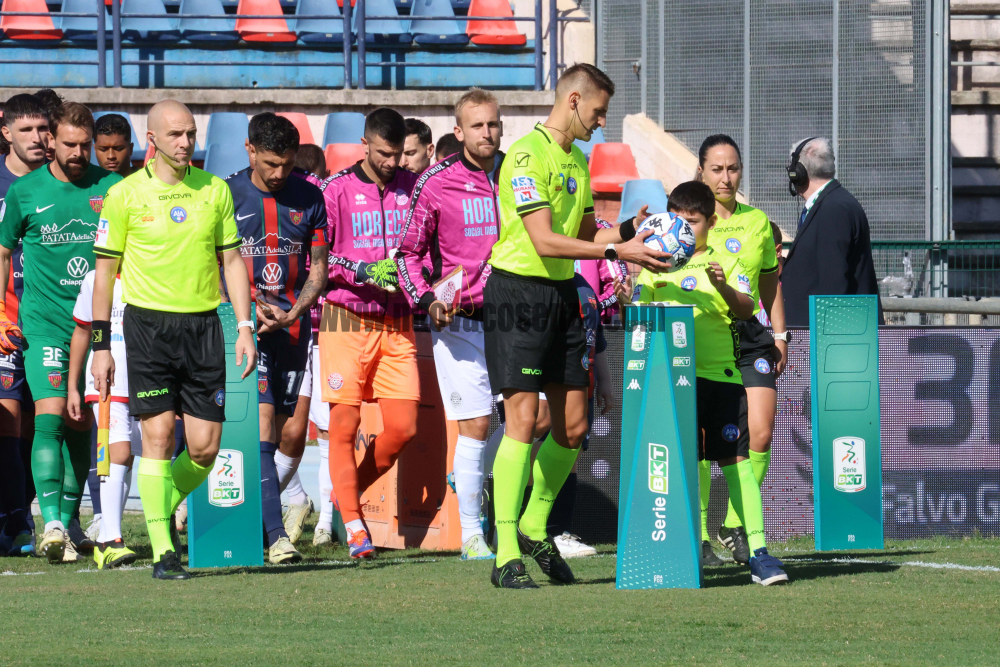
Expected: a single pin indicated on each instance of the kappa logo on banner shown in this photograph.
(634, 384)
(679, 330)
(658, 468)
(639, 338)
(682, 381)
(849, 464)
(637, 364)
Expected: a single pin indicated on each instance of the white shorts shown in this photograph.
(319, 412)
(460, 361)
(123, 427)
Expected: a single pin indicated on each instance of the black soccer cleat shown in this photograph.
(708, 557)
(169, 567)
(735, 539)
(546, 554)
(511, 575)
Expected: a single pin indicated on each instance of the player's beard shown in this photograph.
(32, 155)
(483, 151)
(74, 168)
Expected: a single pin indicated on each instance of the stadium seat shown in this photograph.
(436, 32)
(148, 30)
(611, 166)
(207, 30)
(342, 156)
(150, 154)
(137, 145)
(344, 127)
(262, 30)
(225, 159)
(28, 27)
(228, 128)
(381, 31)
(587, 146)
(493, 33)
(642, 192)
(319, 31)
(79, 29)
(301, 123)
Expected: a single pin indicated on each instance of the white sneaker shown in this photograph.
(70, 554)
(295, 519)
(282, 551)
(476, 548)
(53, 544)
(322, 538)
(94, 528)
(570, 546)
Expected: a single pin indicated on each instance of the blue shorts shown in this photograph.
(12, 382)
(280, 368)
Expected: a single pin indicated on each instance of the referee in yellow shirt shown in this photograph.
(165, 225)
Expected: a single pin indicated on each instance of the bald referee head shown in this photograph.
(170, 128)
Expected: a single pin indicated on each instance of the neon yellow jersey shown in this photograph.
(538, 173)
(716, 343)
(168, 237)
(747, 235)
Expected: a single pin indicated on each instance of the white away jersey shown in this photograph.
(83, 313)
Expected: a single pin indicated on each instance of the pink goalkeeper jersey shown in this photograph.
(599, 275)
(452, 221)
(364, 225)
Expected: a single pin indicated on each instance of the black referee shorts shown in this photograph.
(756, 362)
(176, 361)
(722, 415)
(533, 333)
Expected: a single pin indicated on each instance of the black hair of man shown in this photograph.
(692, 196)
(112, 124)
(447, 145)
(386, 124)
(421, 129)
(310, 158)
(273, 133)
(49, 99)
(22, 106)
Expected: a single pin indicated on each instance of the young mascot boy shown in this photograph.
(717, 286)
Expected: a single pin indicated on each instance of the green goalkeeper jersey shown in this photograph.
(56, 222)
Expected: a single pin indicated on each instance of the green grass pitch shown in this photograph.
(917, 602)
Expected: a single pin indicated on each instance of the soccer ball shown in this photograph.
(671, 233)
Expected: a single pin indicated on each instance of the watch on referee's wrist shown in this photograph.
(783, 336)
(246, 323)
(610, 253)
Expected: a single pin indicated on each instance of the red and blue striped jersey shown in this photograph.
(278, 230)
(15, 281)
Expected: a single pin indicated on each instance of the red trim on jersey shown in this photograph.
(11, 303)
(81, 322)
(93, 398)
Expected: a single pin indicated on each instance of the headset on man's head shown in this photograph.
(798, 177)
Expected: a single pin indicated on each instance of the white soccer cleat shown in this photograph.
(53, 545)
(282, 552)
(322, 538)
(570, 546)
(94, 528)
(476, 548)
(70, 554)
(295, 519)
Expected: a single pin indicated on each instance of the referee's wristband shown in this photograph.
(100, 334)
(627, 229)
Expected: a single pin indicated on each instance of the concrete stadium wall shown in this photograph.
(520, 109)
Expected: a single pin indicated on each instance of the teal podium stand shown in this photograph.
(224, 513)
(847, 449)
(659, 531)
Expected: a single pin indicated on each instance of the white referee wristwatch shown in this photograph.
(781, 336)
(246, 323)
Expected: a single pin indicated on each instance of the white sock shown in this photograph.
(325, 488)
(468, 467)
(112, 490)
(288, 479)
(54, 524)
(354, 526)
(128, 486)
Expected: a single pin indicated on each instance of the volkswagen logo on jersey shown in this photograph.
(571, 185)
(762, 366)
(97, 203)
(730, 432)
(78, 267)
(689, 283)
(178, 214)
(272, 273)
(733, 245)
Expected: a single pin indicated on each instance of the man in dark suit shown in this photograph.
(832, 252)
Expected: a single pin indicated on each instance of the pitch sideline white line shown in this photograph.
(911, 563)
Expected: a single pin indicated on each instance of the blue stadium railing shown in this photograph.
(362, 19)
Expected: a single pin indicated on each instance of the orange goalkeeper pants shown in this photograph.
(350, 479)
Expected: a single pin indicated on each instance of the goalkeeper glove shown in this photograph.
(382, 274)
(8, 329)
